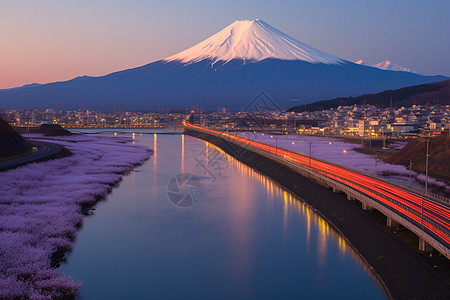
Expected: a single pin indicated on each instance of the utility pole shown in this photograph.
(376, 158)
(421, 219)
(426, 174)
(276, 145)
(410, 170)
(310, 155)
(295, 124)
(426, 167)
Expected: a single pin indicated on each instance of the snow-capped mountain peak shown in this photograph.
(362, 62)
(387, 65)
(252, 40)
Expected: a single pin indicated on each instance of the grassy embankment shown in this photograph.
(439, 160)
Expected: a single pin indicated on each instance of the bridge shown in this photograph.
(428, 218)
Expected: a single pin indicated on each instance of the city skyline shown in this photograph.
(50, 41)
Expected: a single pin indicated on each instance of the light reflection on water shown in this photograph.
(291, 202)
(246, 237)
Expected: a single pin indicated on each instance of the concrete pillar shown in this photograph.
(349, 197)
(335, 190)
(424, 246)
(391, 223)
(366, 207)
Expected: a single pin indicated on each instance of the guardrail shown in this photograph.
(429, 195)
(427, 218)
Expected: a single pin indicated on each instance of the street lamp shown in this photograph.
(276, 145)
(426, 166)
(410, 171)
(376, 160)
(426, 174)
(309, 155)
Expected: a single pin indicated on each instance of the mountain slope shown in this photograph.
(424, 94)
(226, 70)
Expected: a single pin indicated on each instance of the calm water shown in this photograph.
(244, 236)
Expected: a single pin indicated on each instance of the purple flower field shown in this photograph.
(41, 209)
(339, 152)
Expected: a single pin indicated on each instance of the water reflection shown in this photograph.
(291, 202)
(155, 149)
(182, 153)
(246, 237)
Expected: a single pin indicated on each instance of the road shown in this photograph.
(431, 216)
(43, 151)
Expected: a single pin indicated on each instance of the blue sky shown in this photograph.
(49, 40)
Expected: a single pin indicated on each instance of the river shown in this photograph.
(227, 232)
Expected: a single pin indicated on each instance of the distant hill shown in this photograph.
(45, 129)
(23, 86)
(424, 94)
(53, 130)
(11, 142)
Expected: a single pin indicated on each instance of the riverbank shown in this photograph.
(42, 206)
(405, 274)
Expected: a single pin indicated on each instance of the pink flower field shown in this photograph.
(41, 211)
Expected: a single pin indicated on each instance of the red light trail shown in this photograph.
(435, 219)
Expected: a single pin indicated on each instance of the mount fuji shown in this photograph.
(226, 70)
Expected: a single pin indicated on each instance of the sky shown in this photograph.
(54, 40)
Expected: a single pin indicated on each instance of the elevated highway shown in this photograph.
(428, 218)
